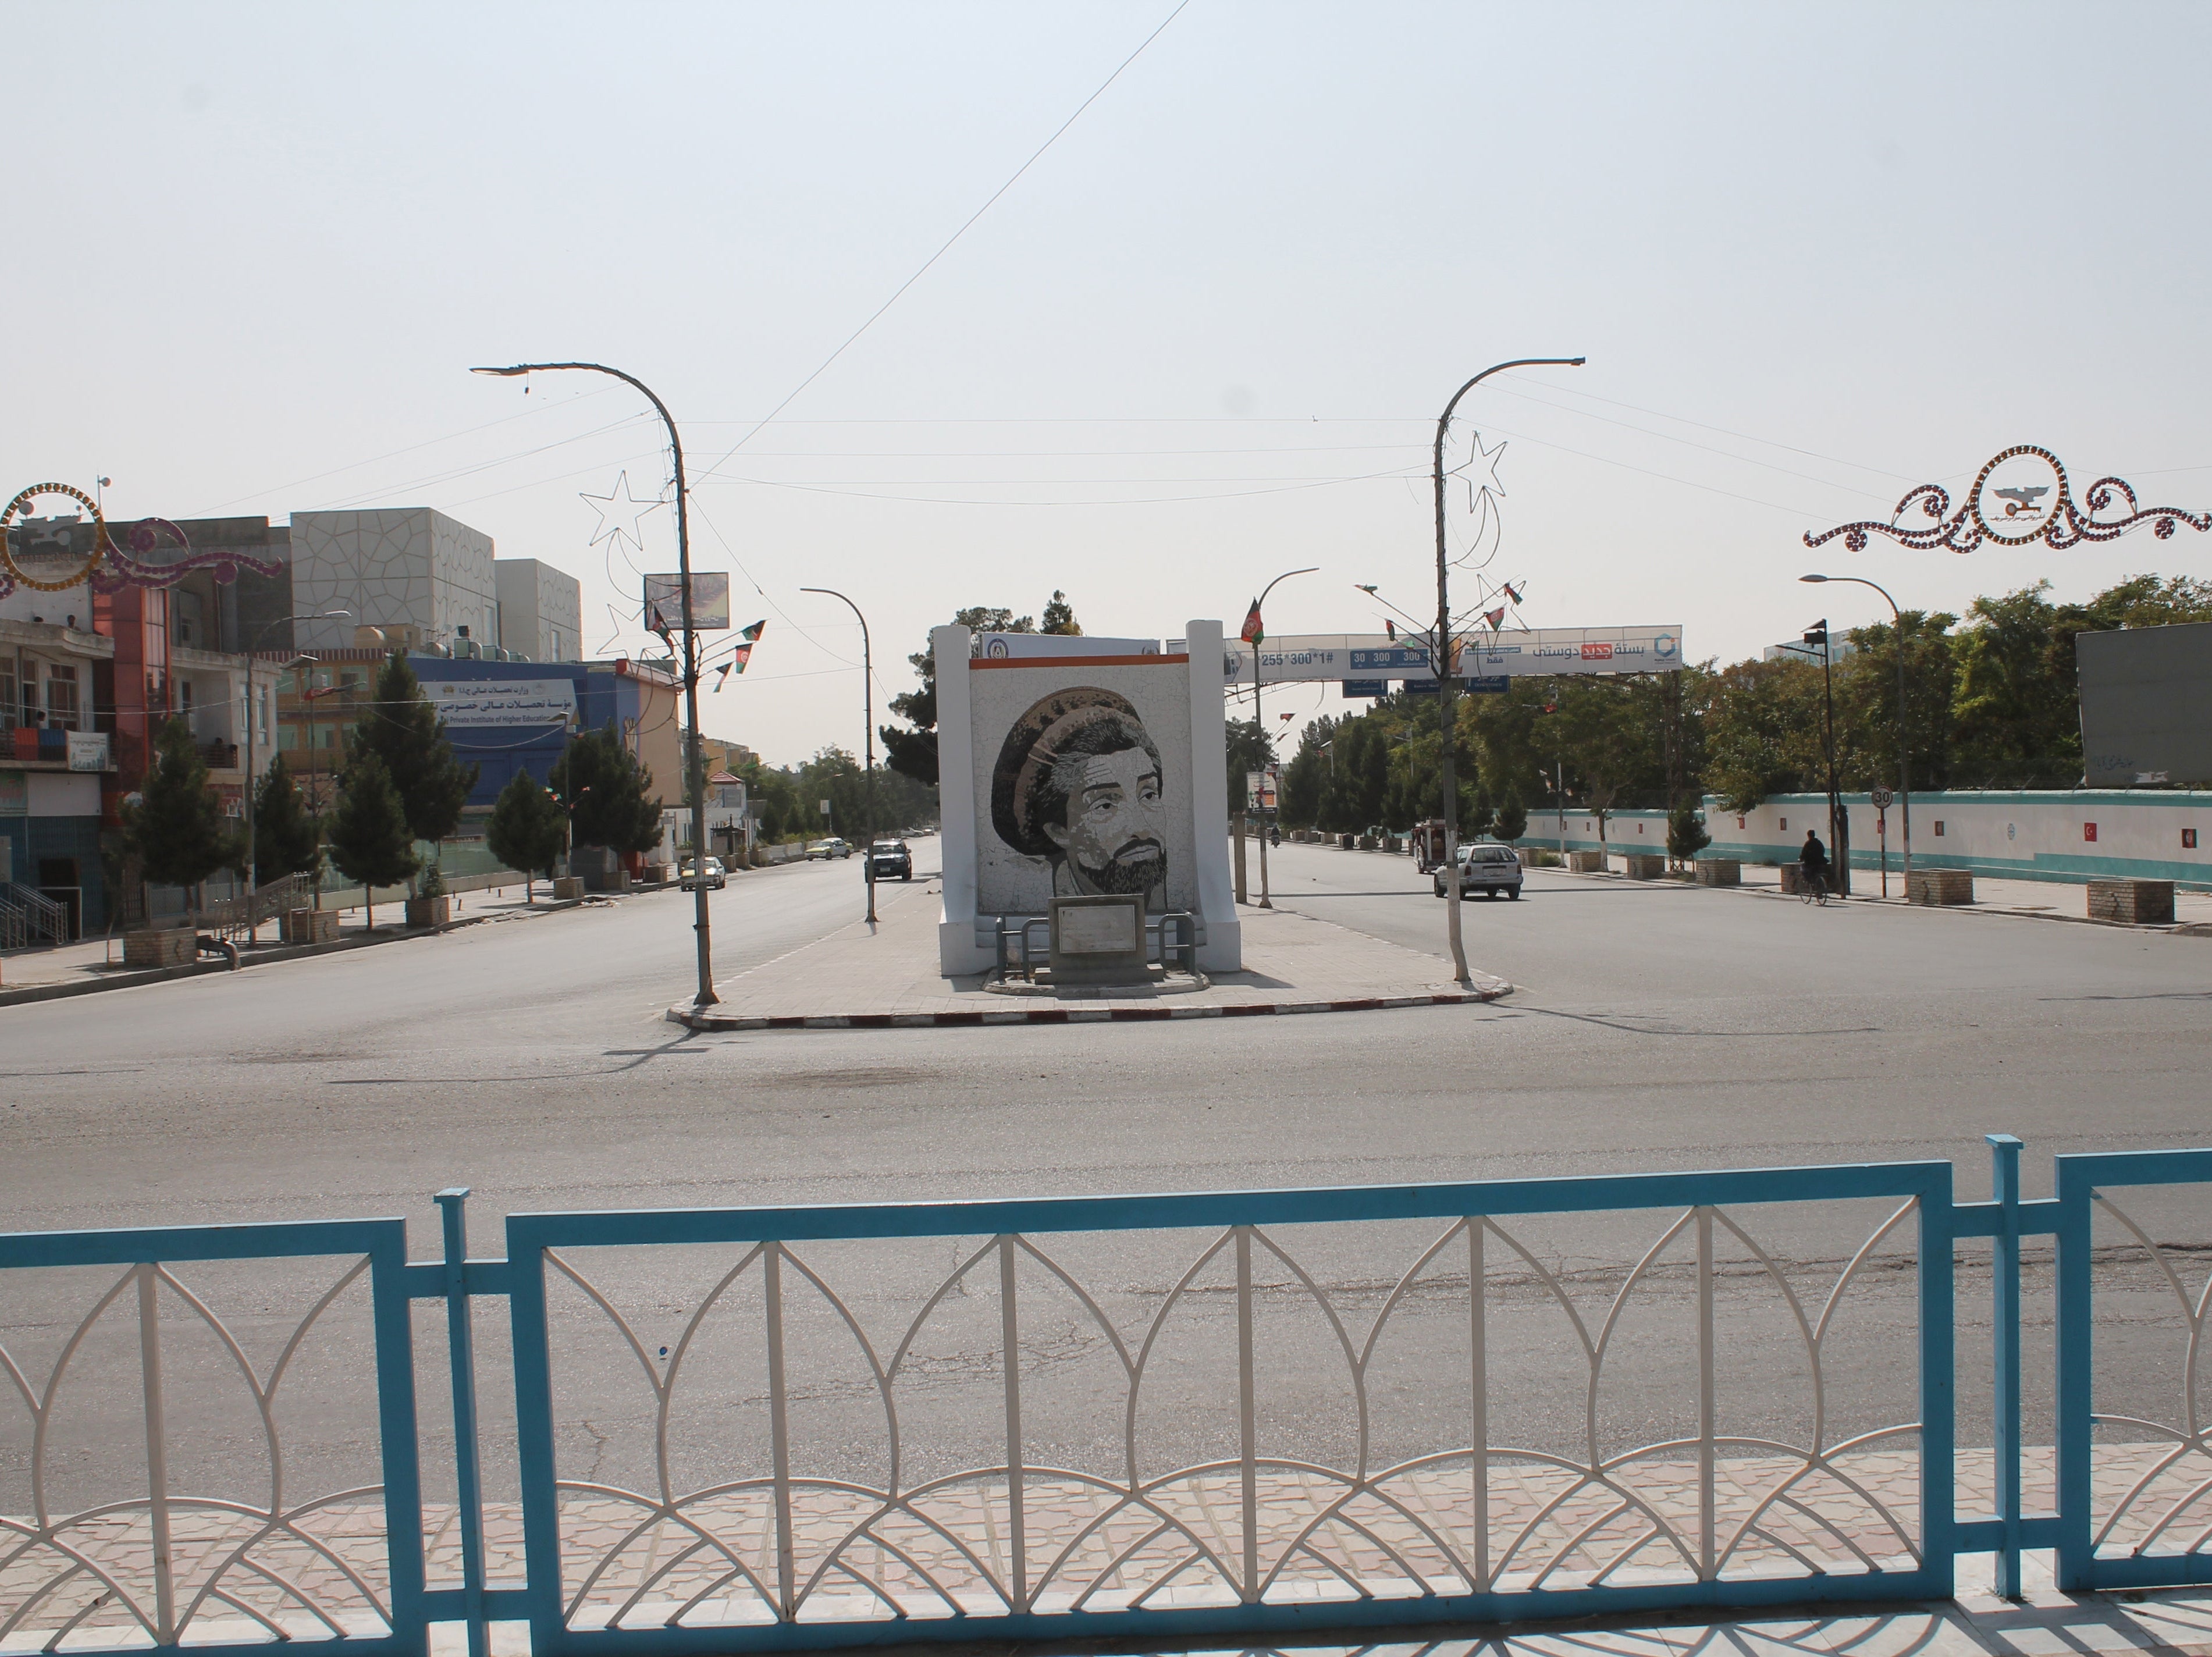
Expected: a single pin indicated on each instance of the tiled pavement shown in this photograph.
(887, 974)
(714, 1562)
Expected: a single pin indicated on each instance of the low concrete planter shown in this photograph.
(1586, 863)
(1719, 871)
(1346, 842)
(1938, 888)
(162, 946)
(2132, 903)
(430, 911)
(1367, 842)
(566, 888)
(308, 926)
(1645, 866)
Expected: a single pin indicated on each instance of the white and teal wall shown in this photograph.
(2062, 835)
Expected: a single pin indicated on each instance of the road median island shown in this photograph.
(886, 977)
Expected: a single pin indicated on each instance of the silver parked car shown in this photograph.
(1485, 868)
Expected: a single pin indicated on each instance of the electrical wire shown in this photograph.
(429, 443)
(1145, 500)
(963, 230)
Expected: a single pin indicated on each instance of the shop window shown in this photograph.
(2089, 832)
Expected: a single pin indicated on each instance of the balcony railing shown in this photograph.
(219, 755)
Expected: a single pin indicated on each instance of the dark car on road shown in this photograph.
(887, 857)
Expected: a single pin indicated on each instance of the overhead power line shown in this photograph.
(966, 225)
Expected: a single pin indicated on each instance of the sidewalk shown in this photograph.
(864, 978)
(97, 963)
(2036, 900)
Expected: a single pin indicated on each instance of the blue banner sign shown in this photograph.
(1396, 659)
(1497, 685)
(1367, 688)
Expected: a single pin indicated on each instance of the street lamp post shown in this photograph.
(253, 761)
(868, 746)
(1839, 836)
(694, 785)
(1259, 724)
(1904, 739)
(1443, 659)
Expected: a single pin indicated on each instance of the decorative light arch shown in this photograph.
(2021, 477)
(108, 568)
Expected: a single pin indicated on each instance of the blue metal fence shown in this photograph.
(1075, 1513)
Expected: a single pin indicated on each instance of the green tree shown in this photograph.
(608, 793)
(1307, 775)
(402, 728)
(1685, 832)
(1249, 750)
(370, 840)
(1512, 821)
(527, 830)
(177, 828)
(1611, 745)
(911, 750)
(287, 836)
(1060, 616)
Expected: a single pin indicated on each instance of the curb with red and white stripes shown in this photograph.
(707, 1019)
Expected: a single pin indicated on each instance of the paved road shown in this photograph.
(1657, 1027)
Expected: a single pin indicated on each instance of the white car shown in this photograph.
(826, 849)
(1486, 868)
(714, 879)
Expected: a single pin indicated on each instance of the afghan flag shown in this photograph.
(1252, 632)
(1495, 617)
(743, 652)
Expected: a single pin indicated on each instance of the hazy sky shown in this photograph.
(1814, 254)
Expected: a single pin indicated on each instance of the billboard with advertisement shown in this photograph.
(710, 601)
(1356, 657)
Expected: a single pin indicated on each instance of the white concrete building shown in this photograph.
(541, 610)
(413, 569)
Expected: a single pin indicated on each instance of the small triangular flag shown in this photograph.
(1252, 632)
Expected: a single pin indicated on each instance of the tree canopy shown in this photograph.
(402, 728)
(177, 828)
(1990, 699)
(607, 791)
(911, 750)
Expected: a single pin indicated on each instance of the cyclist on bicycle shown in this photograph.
(1812, 862)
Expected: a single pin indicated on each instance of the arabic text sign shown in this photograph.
(710, 600)
(505, 704)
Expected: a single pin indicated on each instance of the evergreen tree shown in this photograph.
(177, 828)
(402, 728)
(1060, 616)
(607, 791)
(287, 837)
(1685, 832)
(1512, 821)
(370, 840)
(527, 830)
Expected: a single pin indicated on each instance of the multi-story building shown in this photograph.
(541, 610)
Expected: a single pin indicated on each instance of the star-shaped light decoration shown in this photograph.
(619, 512)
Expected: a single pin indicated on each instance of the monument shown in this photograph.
(1088, 772)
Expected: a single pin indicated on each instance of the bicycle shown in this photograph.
(1813, 886)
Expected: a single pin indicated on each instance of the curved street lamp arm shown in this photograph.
(694, 785)
(867, 738)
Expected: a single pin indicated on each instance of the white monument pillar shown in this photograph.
(959, 951)
(1222, 950)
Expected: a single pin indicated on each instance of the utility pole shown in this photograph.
(1258, 630)
(701, 927)
(1904, 733)
(1443, 659)
(1839, 842)
(868, 746)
